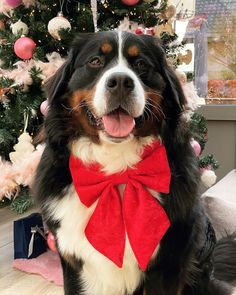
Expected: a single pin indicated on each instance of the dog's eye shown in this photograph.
(96, 62)
(140, 65)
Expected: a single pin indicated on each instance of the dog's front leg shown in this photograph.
(71, 276)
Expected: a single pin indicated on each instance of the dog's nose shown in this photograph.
(120, 84)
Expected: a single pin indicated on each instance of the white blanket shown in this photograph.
(220, 204)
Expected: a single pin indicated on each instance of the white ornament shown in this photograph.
(56, 24)
(23, 148)
(208, 177)
(19, 28)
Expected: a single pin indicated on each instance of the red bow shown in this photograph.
(139, 214)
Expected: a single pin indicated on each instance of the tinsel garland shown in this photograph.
(94, 9)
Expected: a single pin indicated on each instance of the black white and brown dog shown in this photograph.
(116, 116)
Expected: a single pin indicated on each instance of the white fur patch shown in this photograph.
(99, 275)
(113, 157)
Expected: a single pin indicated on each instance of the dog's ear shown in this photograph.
(57, 84)
(174, 98)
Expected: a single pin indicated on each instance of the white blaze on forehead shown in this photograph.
(121, 60)
(121, 66)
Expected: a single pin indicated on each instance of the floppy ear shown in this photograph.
(57, 84)
(174, 99)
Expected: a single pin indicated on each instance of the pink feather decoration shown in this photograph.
(29, 3)
(8, 186)
(20, 74)
(18, 173)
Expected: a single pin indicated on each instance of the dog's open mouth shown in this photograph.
(117, 124)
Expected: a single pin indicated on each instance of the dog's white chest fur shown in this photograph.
(99, 275)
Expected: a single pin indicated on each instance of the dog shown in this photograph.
(117, 107)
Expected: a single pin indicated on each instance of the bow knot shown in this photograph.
(138, 214)
(122, 178)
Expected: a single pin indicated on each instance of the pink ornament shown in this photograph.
(24, 47)
(130, 2)
(13, 3)
(196, 146)
(44, 107)
(51, 242)
(139, 31)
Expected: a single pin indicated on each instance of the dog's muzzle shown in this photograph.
(119, 99)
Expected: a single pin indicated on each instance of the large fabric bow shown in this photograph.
(137, 213)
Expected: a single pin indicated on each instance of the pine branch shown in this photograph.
(22, 203)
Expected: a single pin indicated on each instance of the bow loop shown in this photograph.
(144, 233)
(111, 236)
(138, 213)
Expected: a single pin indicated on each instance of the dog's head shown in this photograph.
(113, 85)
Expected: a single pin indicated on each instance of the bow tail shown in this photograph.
(146, 222)
(105, 229)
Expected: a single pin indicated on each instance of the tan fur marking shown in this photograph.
(71, 260)
(78, 115)
(106, 48)
(133, 51)
(81, 95)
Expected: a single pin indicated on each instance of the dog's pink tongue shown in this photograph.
(118, 124)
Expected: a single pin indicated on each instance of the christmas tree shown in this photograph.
(34, 40)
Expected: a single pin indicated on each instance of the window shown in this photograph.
(209, 29)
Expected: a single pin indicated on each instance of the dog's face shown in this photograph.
(115, 86)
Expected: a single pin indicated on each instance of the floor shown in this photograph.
(14, 282)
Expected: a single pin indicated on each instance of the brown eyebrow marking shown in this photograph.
(106, 48)
(133, 50)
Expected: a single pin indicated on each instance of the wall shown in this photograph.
(222, 135)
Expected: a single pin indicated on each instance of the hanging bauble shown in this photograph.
(2, 25)
(24, 47)
(130, 2)
(208, 177)
(44, 107)
(56, 24)
(196, 147)
(13, 3)
(51, 242)
(19, 28)
(139, 31)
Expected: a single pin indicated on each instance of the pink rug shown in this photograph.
(47, 265)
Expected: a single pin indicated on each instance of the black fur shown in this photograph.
(184, 263)
(224, 257)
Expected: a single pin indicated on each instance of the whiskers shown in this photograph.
(81, 105)
(153, 111)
